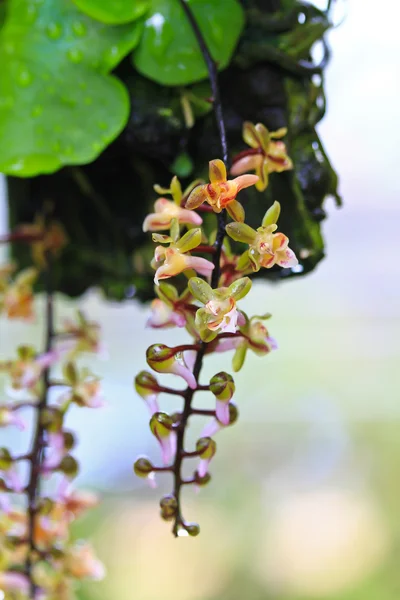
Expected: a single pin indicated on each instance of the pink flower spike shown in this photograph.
(11, 417)
(13, 480)
(56, 450)
(152, 403)
(168, 447)
(222, 412)
(11, 581)
(202, 469)
(229, 343)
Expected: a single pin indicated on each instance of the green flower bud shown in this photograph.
(69, 440)
(6, 460)
(51, 419)
(233, 413)
(206, 447)
(146, 384)
(193, 529)
(222, 386)
(69, 466)
(169, 506)
(202, 481)
(161, 424)
(143, 467)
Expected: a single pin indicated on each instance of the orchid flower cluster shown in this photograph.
(38, 557)
(205, 299)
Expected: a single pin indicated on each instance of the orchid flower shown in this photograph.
(162, 427)
(84, 334)
(85, 388)
(50, 237)
(174, 259)
(8, 417)
(171, 309)
(266, 248)
(26, 370)
(221, 193)
(16, 297)
(266, 155)
(81, 562)
(220, 313)
(167, 210)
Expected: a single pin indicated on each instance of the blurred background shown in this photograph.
(305, 497)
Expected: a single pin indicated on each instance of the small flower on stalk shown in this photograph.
(85, 386)
(147, 387)
(26, 370)
(11, 417)
(221, 193)
(171, 309)
(254, 336)
(164, 359)
(266, 248)
(175, 259)
(84, 334)
(206, 447)
(266, 155)
(220, 313)
(162, 427)
(169, 507)
(14, 582)
(81, 562)
(9, 470)
(167, 210)
(215, 425)
(16, 297)
(46, 238)
(223, 388)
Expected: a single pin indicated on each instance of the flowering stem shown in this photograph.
(206, 249)
(188, 397)
(37, 454)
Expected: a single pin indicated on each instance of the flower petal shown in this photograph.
(263, 135)
(246, 163)
(201, 265)
(217, 171)
(244, 181)
(250, 135)
(272, 215)
(197, 197)
(222, 412)
(240, 232)
(235, 211)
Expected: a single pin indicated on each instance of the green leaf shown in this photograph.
(113, 12)
(169, 52)
(58, 106)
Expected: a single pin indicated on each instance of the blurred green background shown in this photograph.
(305, 497)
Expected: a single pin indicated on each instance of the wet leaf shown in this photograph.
(114, 12)
(169, 53)
(54, 71)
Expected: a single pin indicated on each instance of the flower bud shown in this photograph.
(202, 481)
(169, 506)
(143, 467)
(193, 529)
(162, 427)
(146, 384)
(51, 419)
(159, 357)
(206, 447)
(6, 460)
(222, 386)
(69, 440)
(69, 466)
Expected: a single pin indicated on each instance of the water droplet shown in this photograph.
(54, 31)
(88, 100)
(24, 78)
(102, 125)
(75, 55)
(37, 111)
(79, 28)
(111, 54)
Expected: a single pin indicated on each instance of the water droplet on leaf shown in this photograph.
(54, 31)
(75, 55)
(79, 28)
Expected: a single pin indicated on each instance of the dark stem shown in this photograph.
(188, 397)
(38, 444)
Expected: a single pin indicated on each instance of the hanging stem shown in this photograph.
(188, 396)
(36, 456)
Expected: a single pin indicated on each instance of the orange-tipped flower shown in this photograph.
(266, 155)
(221, 193)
